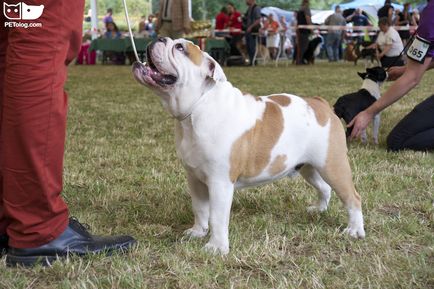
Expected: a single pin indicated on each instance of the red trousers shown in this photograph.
(33, 121)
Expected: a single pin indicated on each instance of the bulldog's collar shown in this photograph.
(184, 116)
(195, 104)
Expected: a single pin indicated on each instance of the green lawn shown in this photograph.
(122, 176)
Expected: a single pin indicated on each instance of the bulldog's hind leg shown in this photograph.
(200, 202)
(311, 175)
(337, 173)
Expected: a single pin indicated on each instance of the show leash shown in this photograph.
(130, 31)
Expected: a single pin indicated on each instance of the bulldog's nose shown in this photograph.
(162, 39)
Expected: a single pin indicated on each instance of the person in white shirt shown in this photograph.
(389, 45)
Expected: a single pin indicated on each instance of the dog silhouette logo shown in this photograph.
(22, 11)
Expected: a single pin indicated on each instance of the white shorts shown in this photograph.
(273, 40)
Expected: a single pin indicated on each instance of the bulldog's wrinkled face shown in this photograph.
(175, 63)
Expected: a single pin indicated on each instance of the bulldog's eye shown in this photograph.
(179, 47)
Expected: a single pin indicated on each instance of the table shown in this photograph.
(217, 47)
(119, 45)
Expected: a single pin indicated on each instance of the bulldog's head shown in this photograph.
(172, 63)
(179, 72)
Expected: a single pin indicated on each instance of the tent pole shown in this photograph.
(94, 19)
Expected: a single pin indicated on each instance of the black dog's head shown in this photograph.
(377, 74)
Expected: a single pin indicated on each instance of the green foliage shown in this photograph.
(135, 7)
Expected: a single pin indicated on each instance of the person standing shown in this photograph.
(34, 219)
(253, 20)
(404, 20)
(235, 25)
(386, 11)
(416, 130)
(109, 16)
(273, 37)
(334, 37)
(358, 20)
(174, 20)
(303, 18)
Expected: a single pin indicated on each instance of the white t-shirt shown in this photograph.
(390, 37)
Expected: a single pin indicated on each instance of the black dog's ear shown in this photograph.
(362, 74)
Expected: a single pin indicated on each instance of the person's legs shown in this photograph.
(416, 130)
(251, 46)
(34, 123)
(3, 45)
(329, 46)
(336, 47)
(304, 43)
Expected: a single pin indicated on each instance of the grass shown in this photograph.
(122, 176)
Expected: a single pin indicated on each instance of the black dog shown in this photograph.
(369, 54)
(309, 54)
(349, 105)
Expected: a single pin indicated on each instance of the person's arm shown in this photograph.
(383, 52)
(308, 18)
(257, 22)
(411, 77)
(395, 72)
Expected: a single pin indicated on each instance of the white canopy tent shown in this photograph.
(94, 19)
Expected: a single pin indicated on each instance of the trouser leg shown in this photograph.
(251, 46)
(34, 122)
(416, 130)
(3, 44)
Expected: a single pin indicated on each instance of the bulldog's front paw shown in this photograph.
(317, 208)
(355, 225)
(216, 249)
(196, 232)
(355, 232)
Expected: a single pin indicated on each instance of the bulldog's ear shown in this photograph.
(362, 74)
(215, 71)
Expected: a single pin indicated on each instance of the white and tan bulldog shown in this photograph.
(228, 140)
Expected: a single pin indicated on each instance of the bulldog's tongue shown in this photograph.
(162, 78)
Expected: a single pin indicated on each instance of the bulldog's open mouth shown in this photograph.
(148, 73)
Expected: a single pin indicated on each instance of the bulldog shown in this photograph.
(228, 140)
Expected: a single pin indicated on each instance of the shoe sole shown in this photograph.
(45, 261)
(14, 261)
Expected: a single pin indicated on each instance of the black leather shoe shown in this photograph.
(76, 240)
(3, 245)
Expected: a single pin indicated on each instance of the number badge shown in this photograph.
(418, 49)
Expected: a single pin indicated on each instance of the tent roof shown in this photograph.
(277, 13)
(377, 4)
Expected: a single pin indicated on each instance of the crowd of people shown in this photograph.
(280, 38)
(293, 41)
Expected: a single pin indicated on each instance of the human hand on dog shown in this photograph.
(395, 72)
(359, 123)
